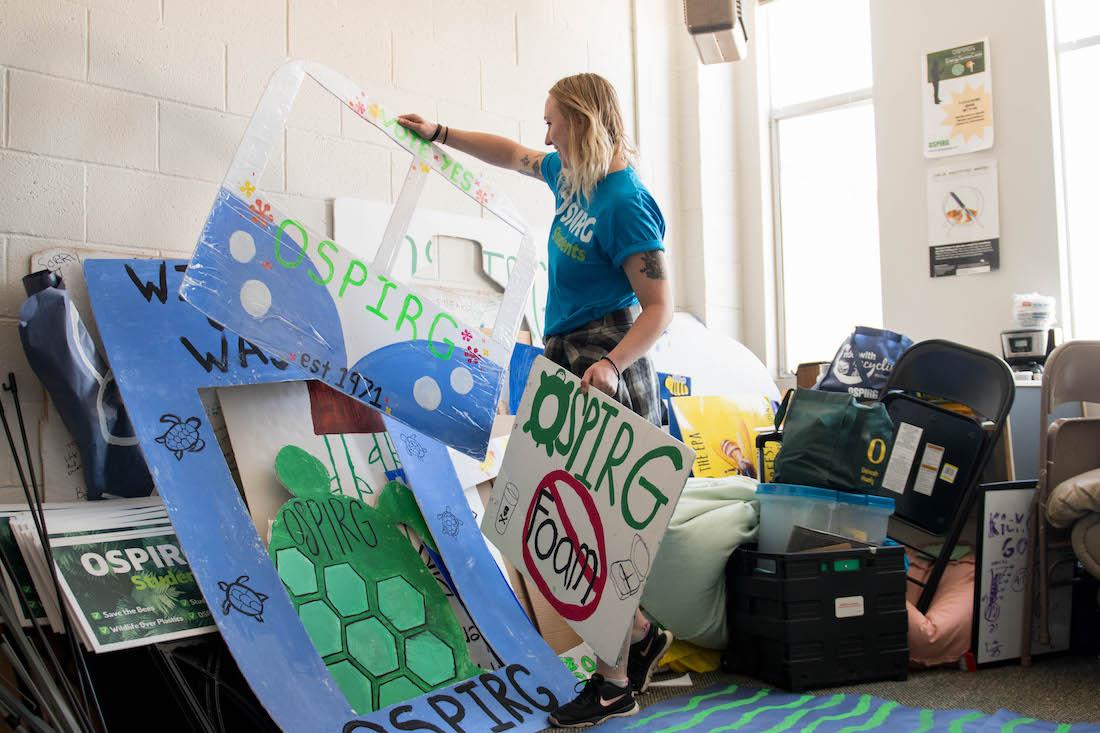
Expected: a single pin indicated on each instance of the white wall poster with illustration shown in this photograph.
(964, 231)
(958, 100)
(583, 500)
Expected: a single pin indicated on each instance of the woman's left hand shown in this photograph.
(602, 376)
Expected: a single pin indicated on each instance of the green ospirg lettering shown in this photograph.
(659, 499)
(410, 299)
(376, 309)
(279, 243)
(348, 279)
(431, 337)
(355, 275)
(331, 267)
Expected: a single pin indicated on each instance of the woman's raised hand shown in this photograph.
(418, 124)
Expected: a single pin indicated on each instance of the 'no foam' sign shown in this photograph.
(582, 502)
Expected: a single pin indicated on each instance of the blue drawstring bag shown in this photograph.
(864, 362)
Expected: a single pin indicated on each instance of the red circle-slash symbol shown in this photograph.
(597, 577)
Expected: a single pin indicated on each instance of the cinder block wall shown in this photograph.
(118, 118)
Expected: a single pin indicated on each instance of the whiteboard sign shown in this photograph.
(1002, 565)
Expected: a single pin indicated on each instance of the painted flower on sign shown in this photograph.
(261, 213)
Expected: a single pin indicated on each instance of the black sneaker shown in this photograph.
(644, 656)
(599, 700)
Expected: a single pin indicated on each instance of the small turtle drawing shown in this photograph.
(244, 599)
(182, 436)
(413, 446)
(450, 522)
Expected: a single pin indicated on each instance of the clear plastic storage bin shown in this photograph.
(782, 506)
(861, 517)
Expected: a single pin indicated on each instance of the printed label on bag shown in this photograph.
(929, 468)
(949, 473)
(849, 606)
(906, 443)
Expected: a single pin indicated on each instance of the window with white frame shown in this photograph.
(816, 84)
(1077, 34)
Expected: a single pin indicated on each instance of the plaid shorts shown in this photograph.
(580, 349)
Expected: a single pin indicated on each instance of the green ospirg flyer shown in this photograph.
(130, 590)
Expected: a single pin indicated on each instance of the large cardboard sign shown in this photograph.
(333, 317)
(582, 501)
(163, 352)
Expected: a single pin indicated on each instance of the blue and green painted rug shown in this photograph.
(754, 710)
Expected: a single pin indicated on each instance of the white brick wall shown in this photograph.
(48, 36)
(118, 118)
(199, 143)
(70, 119)
(184, 65)
(142, 210)
(3, 106)
(41, 196)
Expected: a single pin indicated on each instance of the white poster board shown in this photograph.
(1002, 577)
(958, 100)
(360, 223)
(582, 502)
(964, 231)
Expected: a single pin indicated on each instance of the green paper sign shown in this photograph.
(130, 591)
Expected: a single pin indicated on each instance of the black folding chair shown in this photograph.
(941, 484)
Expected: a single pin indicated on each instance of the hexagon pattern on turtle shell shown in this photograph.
(374, 612)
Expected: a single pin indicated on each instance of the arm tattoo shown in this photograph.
(531, 166)
(653, 266)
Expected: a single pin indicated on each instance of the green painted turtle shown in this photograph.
(182, 436)
(374, 612)
(244, 599)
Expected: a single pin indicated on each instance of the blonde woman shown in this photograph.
(609, 300)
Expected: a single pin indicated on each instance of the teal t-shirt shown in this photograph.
(589, 243)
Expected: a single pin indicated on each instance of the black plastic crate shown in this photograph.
(816, 619)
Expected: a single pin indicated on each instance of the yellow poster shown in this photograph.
(722, 431)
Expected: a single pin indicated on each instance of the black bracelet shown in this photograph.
(438, 128)
(618, 374)
(446, 132)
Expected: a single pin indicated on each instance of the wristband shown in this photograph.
(618, 374)
(435, 134)
(446, 132)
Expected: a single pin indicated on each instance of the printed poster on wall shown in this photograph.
(582, 502)
(958, 100)
(963, 219)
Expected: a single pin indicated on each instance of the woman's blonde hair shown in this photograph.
(596, 132)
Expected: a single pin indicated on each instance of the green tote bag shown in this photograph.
(832, 442)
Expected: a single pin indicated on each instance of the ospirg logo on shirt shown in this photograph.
(574, 220)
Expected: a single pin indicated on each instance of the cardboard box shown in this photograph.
(550, 625)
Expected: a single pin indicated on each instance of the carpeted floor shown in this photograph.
(1064, 690)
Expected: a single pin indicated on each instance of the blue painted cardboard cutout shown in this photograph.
(163, 351)
(333, 317)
